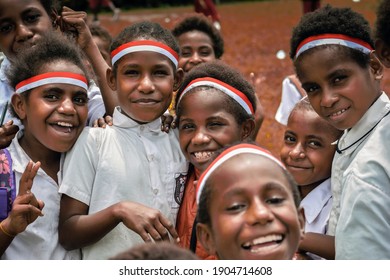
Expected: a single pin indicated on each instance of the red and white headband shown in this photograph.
(225, 156)
(237, 95)
(144, 45)
(52, 78)
(333, 39)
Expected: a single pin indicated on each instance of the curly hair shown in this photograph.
(333, 20)
(145, 30)
(53, 47)
(382, 24)
(202, 24)
(224, 73)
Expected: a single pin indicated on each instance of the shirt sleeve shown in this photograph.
(290, 96)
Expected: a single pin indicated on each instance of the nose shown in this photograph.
(146, 85)
(195, 58)
(66, 107)
(23, 33)
(297, 152)
(328, 98)
(200, 137)
(259, 213)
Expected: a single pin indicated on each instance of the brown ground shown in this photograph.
(253, 33)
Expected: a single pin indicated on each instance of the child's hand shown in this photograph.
(102, 122)
(7, 133)
(167, 122)
(26, 208)
(149, 223)
(259, 114)
(75, 22)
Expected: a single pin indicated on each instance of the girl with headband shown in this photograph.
(333, 55)
(215, 108)
(121, 184)
(248, 206)
(52, 104)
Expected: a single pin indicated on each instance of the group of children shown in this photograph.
(91, 193)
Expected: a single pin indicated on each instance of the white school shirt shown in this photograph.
(40, 239)
(290, 97)
(360, 217)
(125, 162)
(317, 205)
(96, 107)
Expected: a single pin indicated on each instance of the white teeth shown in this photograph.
(339, 112)
(65, 124)
(263, 239)
(203, 155)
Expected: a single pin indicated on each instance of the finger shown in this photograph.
(28, 176)
(101, 122)
(174, 123)
(170, 227)
(252, 78)
(153, 233)
(108, 120)
(162, 231)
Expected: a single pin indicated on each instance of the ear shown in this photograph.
(376, 66)
(302, 221)
(19, 104)
(247, 129)
(205, 237)
(383, 52)
(178, 79)
(111, 79)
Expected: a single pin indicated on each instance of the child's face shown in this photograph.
(196, 47)
(205, 126)
(144, 83)
(339, 90)
(104, 48)
(22, 24)
(252, 211)
(307, 151)
(55, 114)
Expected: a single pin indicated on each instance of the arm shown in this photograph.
(320, 244)
(84, 39)
(25, 209)
(78, 229)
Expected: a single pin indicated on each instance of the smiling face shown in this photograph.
(144, 83)
(339, 89)
(53, 115)
(307, 151)
(196, 47)
(252, 211)
(205, 126)
(22, 24)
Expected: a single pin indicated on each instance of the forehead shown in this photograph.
(204, 98)
(15, 7)
(194, 37)
(61, 66)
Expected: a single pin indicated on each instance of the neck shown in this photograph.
(305, 190)
(50, 160)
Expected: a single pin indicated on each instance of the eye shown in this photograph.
(5, 28)
(131, 72)
(215, 124)
(186, 126)
(205, 52)
(314, 144)
(81, 99)
(236, 207)
(185, 53)
(289, 139)
(161, 73)
(51, 96)
(275, 200)
(339, 79)
(33, 17)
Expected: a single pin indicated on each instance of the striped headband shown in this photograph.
(237, 95)
(226, 155)
(144, 45)
(333, 39)
(52, 78)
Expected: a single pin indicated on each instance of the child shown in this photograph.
(249, 206)
(215, 107)
(120, 184)
(382, 32)
(27, 22)
(51, 102)
(335, 63)
(307, 154)
(156, 251)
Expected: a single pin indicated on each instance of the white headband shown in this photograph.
(52, 78)
(226, 155)
(144, 45)
(333, 39)
(237, 95)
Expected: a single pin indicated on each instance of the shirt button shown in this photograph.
(142, 128)
(155, 191)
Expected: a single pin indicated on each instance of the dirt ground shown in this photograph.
(253, 34)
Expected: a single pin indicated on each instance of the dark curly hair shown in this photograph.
(224, 73)
(53, 47)
(333, 20)
(202, 24)
(203, 212)
(382, 24)
(145, 30)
